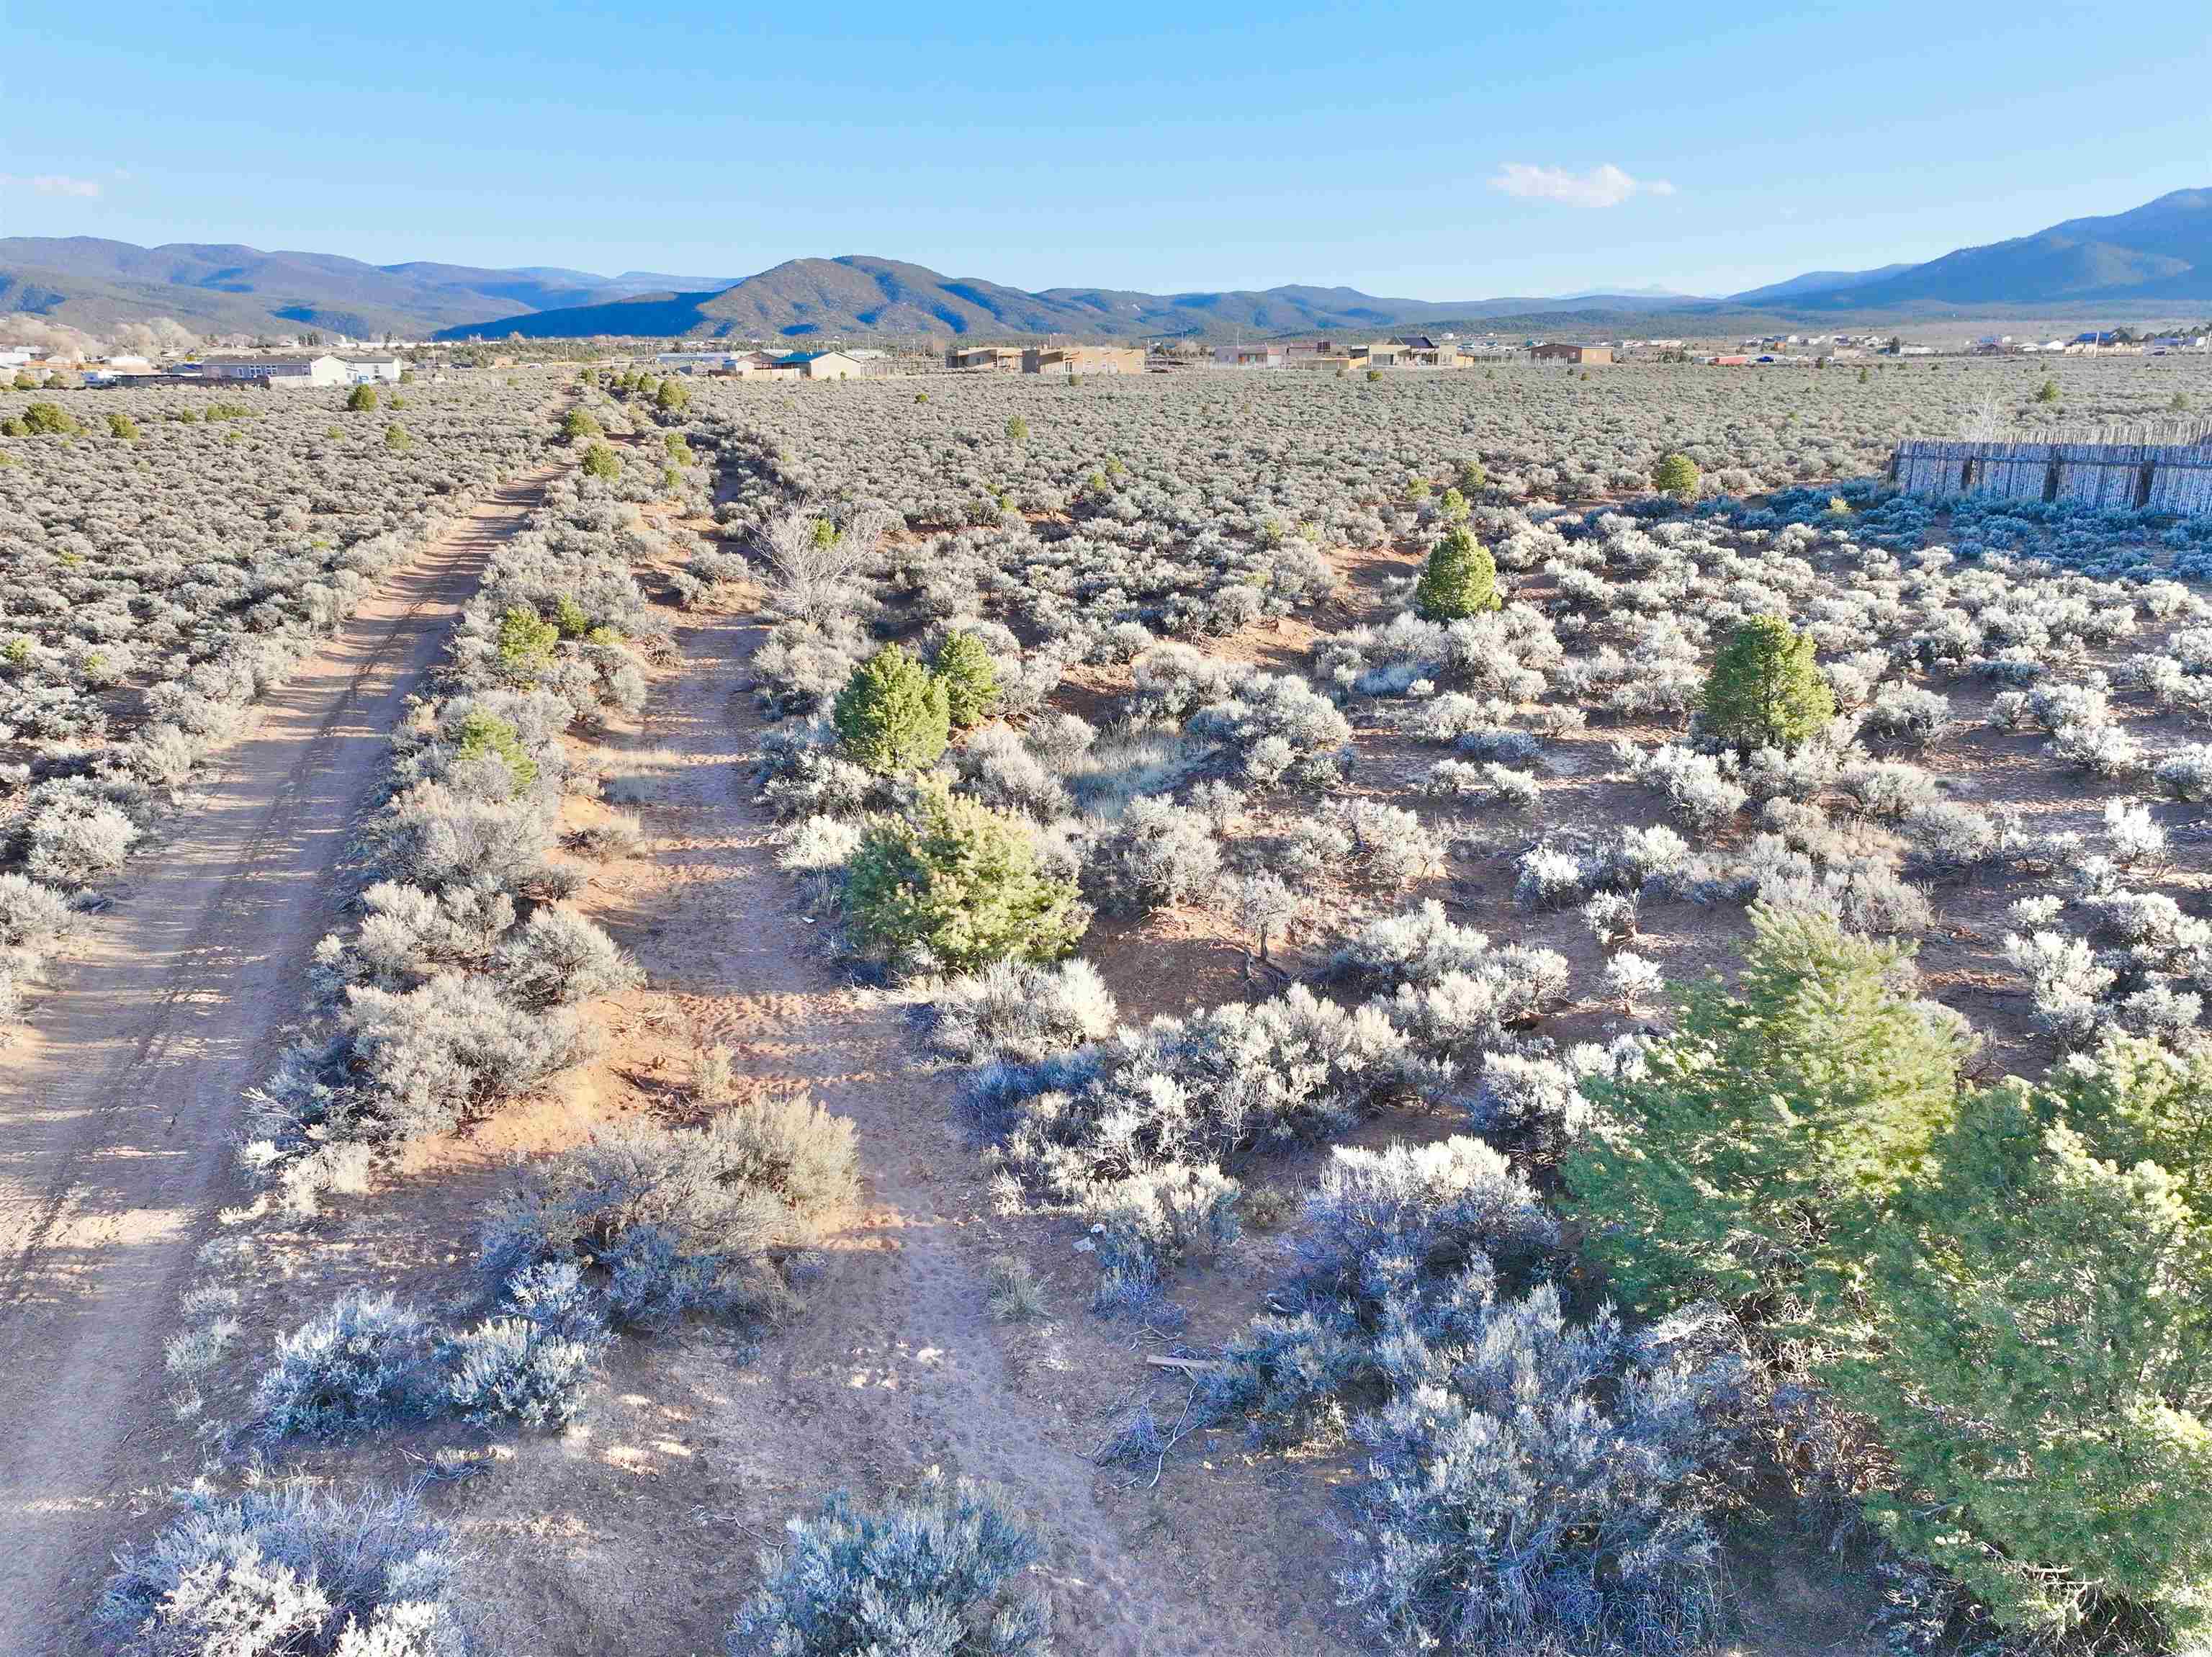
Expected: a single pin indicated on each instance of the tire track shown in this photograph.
(895, 1365)
(118, 1108)
(205, 952)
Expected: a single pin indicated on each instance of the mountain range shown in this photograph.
(218, 287)
(2155, 258)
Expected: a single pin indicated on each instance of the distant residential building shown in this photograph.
(999, 359)
(818, 365)
(1083, 359)
(370, 370)
(1323, 354)
(285, 371)
(1557, 352)
(1261, 356)
(1420, 351)
(1416, 351)
(703, 361)
(110, 370)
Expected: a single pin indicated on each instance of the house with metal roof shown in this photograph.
(818, 365)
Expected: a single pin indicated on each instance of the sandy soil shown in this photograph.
(116, 1110)
(645, 1518)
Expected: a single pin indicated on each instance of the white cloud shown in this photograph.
(52, 183)
(1601, 186)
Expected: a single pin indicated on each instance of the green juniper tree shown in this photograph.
(1750, 1160)
(526, 644)
(970, 679)
(953, 885)
(1763, 689)
(484, 735)
(2038, 1358)
(1459, 578)
(893, 715)
(1676, 474)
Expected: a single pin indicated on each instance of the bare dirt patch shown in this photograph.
(645, 1516)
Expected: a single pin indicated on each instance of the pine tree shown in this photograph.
(482, 735)
(570, 618)
(893, 715)
(955, 886)
(2138, 1102)
(1763, 689)
(525, 642)
(2038, 1359)
(1676, 474)
(971, 679)
(1459, 578)
(1752, 1158)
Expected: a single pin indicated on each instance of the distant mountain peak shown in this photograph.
(2158, 254)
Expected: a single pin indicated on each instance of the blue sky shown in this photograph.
(1423, 150)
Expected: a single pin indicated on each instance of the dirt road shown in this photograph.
(118, 1109)
(634, 1530)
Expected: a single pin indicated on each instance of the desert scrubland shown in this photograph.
(1494, 1012)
